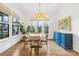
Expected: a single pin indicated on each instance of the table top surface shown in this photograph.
(36, 36)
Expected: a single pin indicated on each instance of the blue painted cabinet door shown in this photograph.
(63, 40)
(57, 37)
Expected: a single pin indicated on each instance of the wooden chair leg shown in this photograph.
(47, 48)
(31, 51)
(24, 44)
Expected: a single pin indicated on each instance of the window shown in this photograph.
(15, 27)
(39, 29)
(46, 27)
(4, 26)
(40, 26)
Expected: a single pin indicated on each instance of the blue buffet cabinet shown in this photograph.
(64, 40)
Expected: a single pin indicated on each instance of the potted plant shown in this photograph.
(26, 31)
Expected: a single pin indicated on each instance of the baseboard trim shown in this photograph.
(76, 52)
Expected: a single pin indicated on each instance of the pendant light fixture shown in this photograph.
(39, 15)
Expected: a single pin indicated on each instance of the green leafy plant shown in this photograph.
(22, 29)
(30, 29)
(27, 30)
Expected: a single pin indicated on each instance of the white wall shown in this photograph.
(8, 42)
(72, 10)
(52, 26)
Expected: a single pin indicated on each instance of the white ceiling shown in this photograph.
(32, 8)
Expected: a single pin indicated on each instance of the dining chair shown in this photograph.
(35, 44)
(27, 41)
(44, 41)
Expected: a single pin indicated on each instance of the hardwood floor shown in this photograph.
(53, 50)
